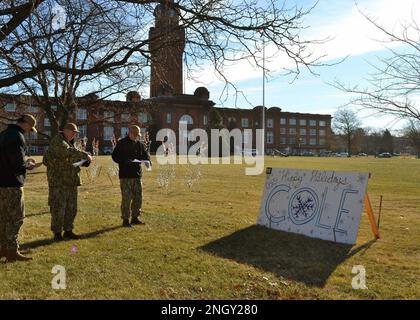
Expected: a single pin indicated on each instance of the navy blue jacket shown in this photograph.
(12, 157)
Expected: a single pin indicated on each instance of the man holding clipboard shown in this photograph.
(129, 153)
(63, 180)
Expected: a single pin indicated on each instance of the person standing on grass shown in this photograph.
(130, 173)
(63, 180)
(12, 178)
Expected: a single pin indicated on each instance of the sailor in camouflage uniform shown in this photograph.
(128, 149)
(63, 180)
(12, 178)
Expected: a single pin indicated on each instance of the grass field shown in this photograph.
(202, 242)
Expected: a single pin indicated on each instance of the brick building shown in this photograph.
(168, 105)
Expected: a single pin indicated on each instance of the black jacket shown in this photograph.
(125, 151)
(12, 157)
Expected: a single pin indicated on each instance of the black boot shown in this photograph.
(126, 223)
(58, 236)
(136, 221)
(71, 235)
(15, 255)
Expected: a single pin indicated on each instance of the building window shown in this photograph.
(205, 120)
(302, 122)
(302, 140)
(186, 118)
(313, 132)
(312, 123)
(244, 122)
(282, 140)
(292, 131)
(47, 122)
(302, 131)
(83, 131)
(10, 107)
(270, 137)
(143, 117)
(312, 141)
(322, 142)
(108, 133)
(322, 123)
(124, 132)
(292, 140)
(282, 120)
(282, 130)
(109, 116)
(32, 109)
(270, 123)
(292, 121)
(169, 117)
(81, 114)
(322, 132)
(125, 117)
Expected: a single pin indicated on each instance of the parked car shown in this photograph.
(362, 154)
(326, 154)
(308, 154)
(343, 154)
(384, 155)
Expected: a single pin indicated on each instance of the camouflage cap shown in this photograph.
(29, 119)
(71, 126)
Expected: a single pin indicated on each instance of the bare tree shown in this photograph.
(89, 56)
(13, 13)
(217, 31)
(395, 82)
(371, 140)
(412, 132)
(104, 46)
(346, 124)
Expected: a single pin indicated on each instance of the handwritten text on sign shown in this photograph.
(319, 204)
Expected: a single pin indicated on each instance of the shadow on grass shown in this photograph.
(36, 172)
(46, 242)
(287, 255)
(37, 214)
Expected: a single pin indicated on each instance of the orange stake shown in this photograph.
(369, 211)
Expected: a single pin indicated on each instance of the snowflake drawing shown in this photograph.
(303, 206)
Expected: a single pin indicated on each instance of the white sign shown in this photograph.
(316, 203)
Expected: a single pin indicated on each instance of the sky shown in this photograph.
(351, 36)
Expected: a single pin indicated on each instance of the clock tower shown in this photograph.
(166, 44)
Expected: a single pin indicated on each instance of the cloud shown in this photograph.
(351, 35)
(355, 35)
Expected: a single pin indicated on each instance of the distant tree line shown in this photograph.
(349, 136)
